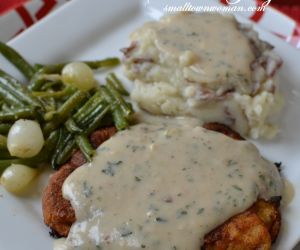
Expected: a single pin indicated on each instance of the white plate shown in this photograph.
(94, 29)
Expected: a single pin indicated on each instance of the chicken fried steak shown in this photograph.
(256, 228)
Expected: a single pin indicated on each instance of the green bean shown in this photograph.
(4, 154)
(62, 136)
(15, 58)
(118, 117)
(97, 121)
(119, 120)
(66, 147)
(4, 128)
(37, 67)
(7, 162)
(117, 96)
(15, 88)
(6, 108)
(92, 113)
(85, 146)
(42, 81)
(67, 152)
(48, 116)
(106, 95)
(64, 111)
(9, 98)
(106, 63)
(117, 83)
(50, 144)
(51, 69)
(50, 104)
(87, 107)
(64, 151)
(47, 104)
(4, 164)
(72, 127)
(11, 81)
(38, 79)
(49, 85)
(55, 94)
(36, 82)
(3, 142)
(15, 114)
(30, 162)
(95, 117)
(50, 77)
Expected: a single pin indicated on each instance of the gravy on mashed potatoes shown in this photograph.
(207, 66)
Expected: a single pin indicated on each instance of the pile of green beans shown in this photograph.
(66, 115)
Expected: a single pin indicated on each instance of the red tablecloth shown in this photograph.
(292, 10)
(289, 7)
(31, 11)
(6, 5)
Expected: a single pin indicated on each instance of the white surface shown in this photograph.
(96, 29)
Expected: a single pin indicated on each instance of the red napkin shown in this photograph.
(6, 5)
(292, 10)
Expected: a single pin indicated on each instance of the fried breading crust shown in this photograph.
(58, 212)
(253, 229)
(244, 231)
(269, 213)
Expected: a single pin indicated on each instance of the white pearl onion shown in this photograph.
(25, 139)
(16, 177)
(78, 75)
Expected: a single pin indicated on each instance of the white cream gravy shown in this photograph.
(163, 188)
(218, 52)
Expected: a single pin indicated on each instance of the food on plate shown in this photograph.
(160, 186)
(147, 187)
(208, 66)
(54, 113)
(17, 177)
(79, 75)
(25, 139)
(58, 212)
(218, 127)
(256, 228)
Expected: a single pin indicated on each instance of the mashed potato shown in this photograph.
(206, 66)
